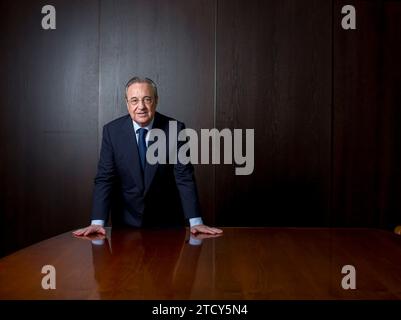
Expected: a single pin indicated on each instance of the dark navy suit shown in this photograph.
(161, 195)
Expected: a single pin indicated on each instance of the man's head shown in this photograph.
(141, 97)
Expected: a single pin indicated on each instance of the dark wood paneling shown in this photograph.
(366, 144)
(171, 42)
(48, 119)
(274, 75)
(274, 66)
(390, 181)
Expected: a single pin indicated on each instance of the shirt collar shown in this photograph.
(148, 127)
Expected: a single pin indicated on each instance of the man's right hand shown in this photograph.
(92, 229)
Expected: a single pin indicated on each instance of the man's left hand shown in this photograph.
(201, 228)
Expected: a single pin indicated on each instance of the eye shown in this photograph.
(148, 100)
(134, 101)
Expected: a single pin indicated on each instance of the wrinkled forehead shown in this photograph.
(140, 90)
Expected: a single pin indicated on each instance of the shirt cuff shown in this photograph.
(194, 242)
(98, 242)
(98, 222)
(195, 221)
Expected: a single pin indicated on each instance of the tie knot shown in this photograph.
(142, 131)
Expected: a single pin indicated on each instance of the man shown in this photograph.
(144, 194)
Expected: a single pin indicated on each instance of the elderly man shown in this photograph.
(146, 195)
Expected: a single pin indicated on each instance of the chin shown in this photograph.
(143, 121)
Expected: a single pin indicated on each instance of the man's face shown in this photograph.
(141, 103)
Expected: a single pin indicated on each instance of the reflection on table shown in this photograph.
(243, 263)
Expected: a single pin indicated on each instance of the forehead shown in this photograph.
(139, 90)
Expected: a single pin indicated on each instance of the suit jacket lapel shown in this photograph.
(132, 153)
(150, 169)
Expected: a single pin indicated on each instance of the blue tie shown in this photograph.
(142, 146)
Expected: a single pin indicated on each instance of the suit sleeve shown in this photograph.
(186, 184)
(104, 180)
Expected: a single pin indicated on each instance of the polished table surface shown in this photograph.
(243, 263)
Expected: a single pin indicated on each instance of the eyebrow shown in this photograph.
(138, 98)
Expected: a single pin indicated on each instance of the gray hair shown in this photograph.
(141, 80)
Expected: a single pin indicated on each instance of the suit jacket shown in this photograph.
(161, 196)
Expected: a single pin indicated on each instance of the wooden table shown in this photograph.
(244, 263)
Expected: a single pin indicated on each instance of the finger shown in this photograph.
(81, 237)
(95, 229)
(203, 236)
(91, 236)
(77, 236)
(207, 230)
(216, 230)
(78, 232)
(88, 231)
(197, 229)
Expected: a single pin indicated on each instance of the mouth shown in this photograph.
(142, 114)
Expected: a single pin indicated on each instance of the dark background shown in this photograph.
(324, 103)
